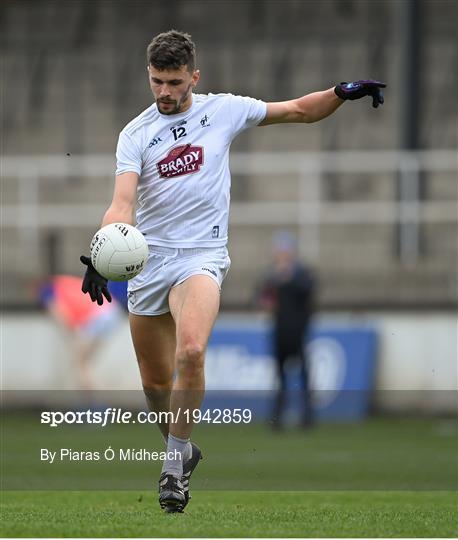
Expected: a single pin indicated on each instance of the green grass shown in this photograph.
(380, 454)
(381, 478)
(231, 514)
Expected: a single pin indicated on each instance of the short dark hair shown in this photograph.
(171, 50)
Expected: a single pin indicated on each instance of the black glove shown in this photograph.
(93, 283)
(359, 89)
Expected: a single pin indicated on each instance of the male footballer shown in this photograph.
(173, 160)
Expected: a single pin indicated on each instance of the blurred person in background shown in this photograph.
(288, 292)
(118, 290)
(85, 325)
(174, 158)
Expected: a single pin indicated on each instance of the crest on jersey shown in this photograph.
(181, 160)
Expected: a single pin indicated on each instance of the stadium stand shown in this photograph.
(75, 75)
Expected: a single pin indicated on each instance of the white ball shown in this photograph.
(119, 251)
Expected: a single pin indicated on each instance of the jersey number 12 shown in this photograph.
(178, 132)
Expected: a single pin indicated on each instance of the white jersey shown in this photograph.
(183, 164)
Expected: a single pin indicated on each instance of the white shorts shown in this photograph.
(148, 293)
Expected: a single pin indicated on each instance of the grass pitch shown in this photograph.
(380, 478)
(231, 514)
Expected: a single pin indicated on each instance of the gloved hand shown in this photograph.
(359, 89)
(93, 283)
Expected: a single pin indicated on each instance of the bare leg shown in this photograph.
(194, 306)
(155, 344)
(84, 352)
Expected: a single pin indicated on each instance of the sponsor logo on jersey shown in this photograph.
(155, 141)
(181, 160)
(204, 121)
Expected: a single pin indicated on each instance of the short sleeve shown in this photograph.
(128, 155)
(246, 112)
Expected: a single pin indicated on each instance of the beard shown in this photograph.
(174, 105)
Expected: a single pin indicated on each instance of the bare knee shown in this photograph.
(190, 359)
(153, 378)
(152, 389)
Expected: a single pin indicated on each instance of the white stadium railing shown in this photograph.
(310, 211)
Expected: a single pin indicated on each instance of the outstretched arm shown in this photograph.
(306, 109)
(318, 105)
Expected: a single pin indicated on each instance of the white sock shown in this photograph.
(178, 451)
(187, 453)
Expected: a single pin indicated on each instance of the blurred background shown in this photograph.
(371, 195)
(380, 225)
